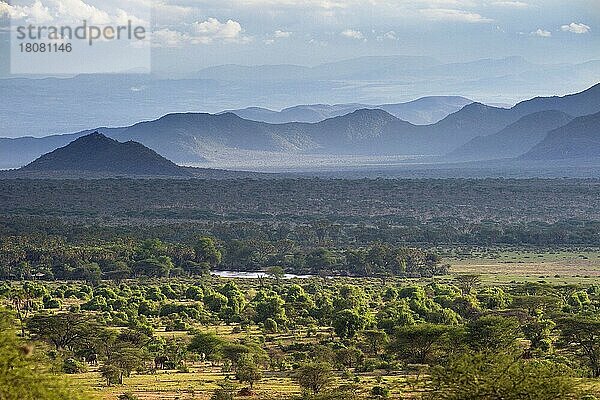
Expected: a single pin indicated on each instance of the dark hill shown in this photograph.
(96, 153)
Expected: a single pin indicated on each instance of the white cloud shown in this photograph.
(391, 35)
(541, 33)
(320, 4)
(282, 34)
(69, 12)
(35, 13)
(205, 32)
(212, 29)
(6, 9)
(353, 34)
(38, 13)
(77, 11)
(574, 27)
(170, 13)
(444, 14)
(511, 4)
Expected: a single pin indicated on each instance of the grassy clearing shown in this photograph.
(202, 379)
(561, 267)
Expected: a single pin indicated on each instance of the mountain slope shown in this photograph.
(513, 140)
(96, 153)
(578, 104)
(473, 120)
(578, 140)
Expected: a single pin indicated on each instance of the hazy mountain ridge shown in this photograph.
(535, 118)
(192, 138)
(361, 68)
(124, 99)
(423, 111)
(577, 105)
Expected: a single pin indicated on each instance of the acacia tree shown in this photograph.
(375, 340)
(582, 336)
(492, 333)
(314, 376)
(62, 330)
(467, 282)
(493, 375)
(277, 272)
(419, 343)
(248, 371)
(123, 353)
(207, 344)
(349, 322)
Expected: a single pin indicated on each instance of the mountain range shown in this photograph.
(474, 132)
(423, 111)
(41, 107)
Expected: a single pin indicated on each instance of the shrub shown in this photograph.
(72, 366)
(380, 392)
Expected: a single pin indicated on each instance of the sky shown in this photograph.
(188, 35)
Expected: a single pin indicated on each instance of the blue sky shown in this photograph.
(188, 35)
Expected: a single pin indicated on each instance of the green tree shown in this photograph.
(248, 371)
(467, 282)
(492, 333)
(500, 376)
(375, 340)
(320, 260)
(276, 272)
(420, 344)
(62, 330)
(314, 376)
(90, 273)
(348, 322)
(23, 375)
(581, 335)
(208, 344)
(206, 251)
